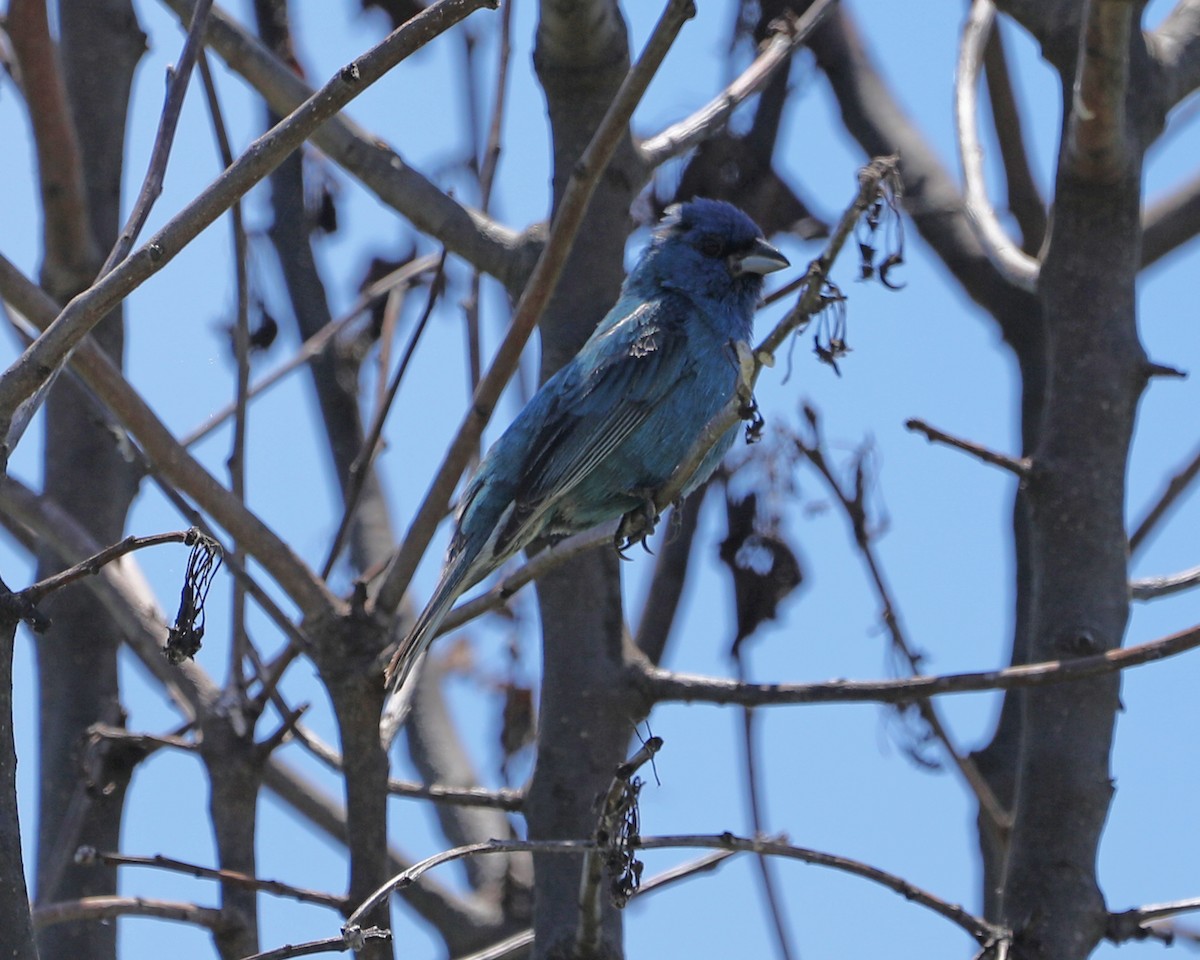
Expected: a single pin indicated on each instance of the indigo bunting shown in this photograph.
(610, 427)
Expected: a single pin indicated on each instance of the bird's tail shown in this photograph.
(417, 641)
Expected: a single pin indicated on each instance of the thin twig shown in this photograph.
(874, 181)
(1131, 924)
(147, 743)
(1151, 588)
(315, 345)
(160, 152)
(788, 35)
(240, 645)
(614, 807)
(754, 799)
(1021, 466)
(980, 929)
(1016, 266)
(510, 800)
(88, 856)
(93, 564)
(1024, 199)
(665, 686)
(1175, 488)
(53, 348)
(361, 466)
(176, 465)
(567, 219)
(517, 945)
(328, 945)
(855, 509)
(110, 908)
(480, 240)
(533, 569)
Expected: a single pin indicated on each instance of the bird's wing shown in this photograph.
(609, 390)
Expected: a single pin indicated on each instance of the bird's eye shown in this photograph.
(711, 246)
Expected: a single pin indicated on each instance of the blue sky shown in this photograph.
(836, 776)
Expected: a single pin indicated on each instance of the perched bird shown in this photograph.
(606, 432)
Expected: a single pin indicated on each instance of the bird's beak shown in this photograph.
(761, 258)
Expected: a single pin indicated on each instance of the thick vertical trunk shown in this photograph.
(101, 44)
(17, 939)
(582, 55)
(1078, 553)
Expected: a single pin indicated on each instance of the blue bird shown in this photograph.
(609, 428)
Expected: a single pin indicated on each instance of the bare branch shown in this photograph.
(179, 77)
(328, 945)
(52, 349)
(1175, 488)
(1132, 924)
(1024, 199)
(93, 564)
(853, 503)
(567, 220)
(1020, 466)
(1171, 221)
(402, 277)
(361, 467)
(110, 908)
(276, 887)
(1151, 588)
(980, 929)
(481, 241)
(875, 183)
(1176, 47)
(510, 948)
(169, 458)
(510, 800)
(664, 686)
(529, 571)
(1097, 147)
(789, 35)
(67, 232)
(1014, 264)
(616, 807)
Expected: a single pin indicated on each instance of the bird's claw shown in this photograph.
(636, 527)
(749, 412)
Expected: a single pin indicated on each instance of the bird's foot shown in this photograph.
(749, 412)
(637, 526)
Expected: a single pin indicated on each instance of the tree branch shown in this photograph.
(38, 363)
(179, 77)
(328, 945)
(1151, 588)
(1017, 267)
(874, 117)
(93, 564)
(110, 908)
(158, 861)
(169, 458)
(664, 686)
(481, 241)
(1175, 488)
(1024, 199)
(789, 35)
(1175, 45)
(1021, 467)
(1172, 220)
(981, 930)
(1097, 147)
(586, 175)
(1132, 924)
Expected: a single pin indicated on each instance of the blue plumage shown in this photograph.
(609, 428)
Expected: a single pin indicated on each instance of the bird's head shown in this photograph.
(710, 248)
